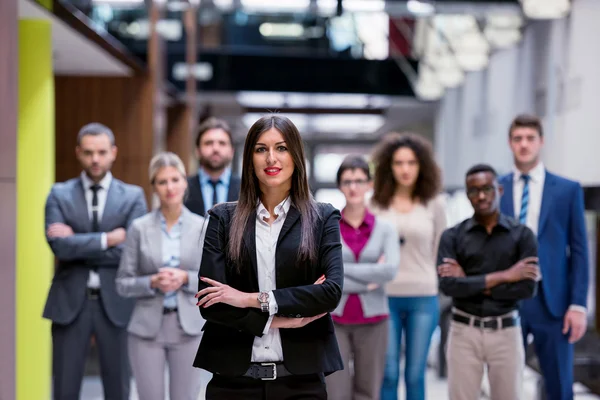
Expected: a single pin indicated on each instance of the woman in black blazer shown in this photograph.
(271, 272)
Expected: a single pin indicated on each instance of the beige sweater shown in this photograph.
(421, 229)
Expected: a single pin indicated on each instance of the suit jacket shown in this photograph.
(79, 253)
(563, 248)
(226, 346)
(195, 202)
(142, 257)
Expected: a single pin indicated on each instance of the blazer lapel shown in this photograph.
(291, 218)
(154, 239)
(250, 241)
(196, 194)
(113, 199)
(188, 241)
(549, 182)
(234, 189)
(508, 196)
(81, 207)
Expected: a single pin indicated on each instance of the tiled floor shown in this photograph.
(436, 389)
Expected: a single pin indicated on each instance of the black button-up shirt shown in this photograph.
(480, 253)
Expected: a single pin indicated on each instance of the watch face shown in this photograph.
(263, 297)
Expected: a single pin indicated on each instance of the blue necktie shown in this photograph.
(524, 199)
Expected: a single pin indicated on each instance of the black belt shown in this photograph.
(93, 293)
(487, 323)
(266, 371)
(169, 310)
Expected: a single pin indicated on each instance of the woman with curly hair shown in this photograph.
(406, 192)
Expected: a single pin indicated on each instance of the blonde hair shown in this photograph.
(162, 160)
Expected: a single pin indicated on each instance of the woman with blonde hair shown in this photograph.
(159, 268)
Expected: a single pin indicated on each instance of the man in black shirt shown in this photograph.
(486, 263)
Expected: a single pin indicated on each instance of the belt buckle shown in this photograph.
(274, 371)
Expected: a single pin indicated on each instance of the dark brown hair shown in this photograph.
(526, 121)
(300, 194)
(429, 181)
(352, 162)
(212, 123)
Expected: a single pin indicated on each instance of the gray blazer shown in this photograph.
(357, 275)
(79, 253)
(142, 258)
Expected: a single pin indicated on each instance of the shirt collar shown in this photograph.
(224, 178)
(536, 174)
(368, 220)
(503, 221)
(163, 220)
(104, 183)
(281, 209)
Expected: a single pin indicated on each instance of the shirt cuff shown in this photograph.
(273, 307)
(575, 307)
(268, 325)
(103, 241)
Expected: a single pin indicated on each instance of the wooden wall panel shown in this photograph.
(126, 105)
(179, 134)
(8, 191)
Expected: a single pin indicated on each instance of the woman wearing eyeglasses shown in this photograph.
(371, 255)
(406, 193)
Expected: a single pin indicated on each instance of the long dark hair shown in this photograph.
(429, 182)
(300, 194)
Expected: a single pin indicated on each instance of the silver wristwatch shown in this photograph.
(263, 299)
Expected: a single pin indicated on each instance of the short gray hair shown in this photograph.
(95, 129)
(165, 159)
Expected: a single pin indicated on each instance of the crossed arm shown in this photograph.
(516, 283)
(88, 247)
(223, 304)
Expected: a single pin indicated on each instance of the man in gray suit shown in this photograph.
(86, 222)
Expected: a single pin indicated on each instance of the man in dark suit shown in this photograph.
(553, 207)
(86, 221)
(214, 182)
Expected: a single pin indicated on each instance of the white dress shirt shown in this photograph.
(268, 347)
(94, 278)
(536, 189)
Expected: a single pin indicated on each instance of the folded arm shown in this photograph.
(87, 247)
(524, 289)
(353, 286)
(312, 300)
(378, 272)
(213, 266)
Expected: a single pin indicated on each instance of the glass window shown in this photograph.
(333, 196)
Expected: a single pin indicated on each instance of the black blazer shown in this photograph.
(194, 200)
(226, 346)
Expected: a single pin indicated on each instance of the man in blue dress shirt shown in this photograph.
(214, 182)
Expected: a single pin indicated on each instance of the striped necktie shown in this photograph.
(524, 199)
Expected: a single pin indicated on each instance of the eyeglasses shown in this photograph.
(474, 192)
(357, 182)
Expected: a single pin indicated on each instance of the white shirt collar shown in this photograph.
(104, 183)
(536, 174)
(281, 209)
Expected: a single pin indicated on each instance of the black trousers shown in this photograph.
(295, 387)
(70, 346)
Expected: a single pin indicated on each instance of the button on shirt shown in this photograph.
(480, 253)
(207, 188)
(268, 347)
(94, 278)
(171, 244)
